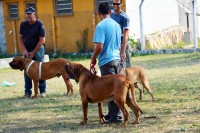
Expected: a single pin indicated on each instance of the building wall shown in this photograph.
(157, 15)
(62, 32)
(2, 30)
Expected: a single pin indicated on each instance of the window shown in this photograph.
(100, 1)
(31, 4)
(13, 10)
(63, 7)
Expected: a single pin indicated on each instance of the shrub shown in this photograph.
(132, 41)
(82, 44)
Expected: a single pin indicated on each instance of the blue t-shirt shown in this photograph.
(31, 34)
(108, 33)
(122, 19)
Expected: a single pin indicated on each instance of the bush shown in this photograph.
(132, 41)
(82, 44)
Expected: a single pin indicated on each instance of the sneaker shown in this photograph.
(27, 96)
(113, 120)
(107, 117)
(43, 94)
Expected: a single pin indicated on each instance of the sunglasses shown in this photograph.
(117, 4)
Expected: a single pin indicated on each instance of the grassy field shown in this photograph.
(175, 80)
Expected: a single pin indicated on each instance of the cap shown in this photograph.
(30, 10)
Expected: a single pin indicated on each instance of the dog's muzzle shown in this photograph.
(14, 65)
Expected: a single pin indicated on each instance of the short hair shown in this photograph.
(120, 1)
(104, 8)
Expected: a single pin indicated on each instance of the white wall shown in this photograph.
(157, 15)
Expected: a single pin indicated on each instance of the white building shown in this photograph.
(159, 15)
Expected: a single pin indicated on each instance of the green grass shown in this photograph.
(175, 80)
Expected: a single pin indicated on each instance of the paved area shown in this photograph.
(4, 63)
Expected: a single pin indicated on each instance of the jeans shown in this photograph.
(107, 69)
(127, 61)
(39, 56)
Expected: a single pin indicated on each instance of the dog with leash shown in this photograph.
(137, 74)
(42, 71)
(95, 89)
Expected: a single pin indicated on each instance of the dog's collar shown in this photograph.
(24, 64)
(29, 65)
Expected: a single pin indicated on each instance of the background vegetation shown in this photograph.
(175, 80)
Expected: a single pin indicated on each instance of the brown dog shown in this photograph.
(47, 70)
(95, 89)
(137, 74)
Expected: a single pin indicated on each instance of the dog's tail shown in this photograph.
(132, 89)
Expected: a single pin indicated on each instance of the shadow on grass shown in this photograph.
(67, 123)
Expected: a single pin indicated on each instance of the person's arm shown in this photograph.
(97, 50)
(124, 43)
(39, 45)
(25, 52)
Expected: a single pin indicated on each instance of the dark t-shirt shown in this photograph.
(31, 34)
(122, 19)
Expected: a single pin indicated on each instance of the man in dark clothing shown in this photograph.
(31, 39)
(123, 20)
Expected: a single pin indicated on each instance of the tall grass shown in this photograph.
(175, 80)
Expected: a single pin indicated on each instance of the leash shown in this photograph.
(121, 65)
(92, 69)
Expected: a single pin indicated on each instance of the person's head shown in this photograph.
(104, 9)
(117, 4)
(30, 14)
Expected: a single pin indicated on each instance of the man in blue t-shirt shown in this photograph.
(31, 40)
(107, 39)
(123, 20)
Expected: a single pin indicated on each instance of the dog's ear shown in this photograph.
(77, 68)
(21, 65)
(69, 71)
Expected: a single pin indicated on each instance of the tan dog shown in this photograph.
(95, 89)
(47, 70)
(137, 74)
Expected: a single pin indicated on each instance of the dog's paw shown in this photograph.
(136, 122)
(124, 125)
(33, 97)
(82, 122)
(154, 100)
(102, 120)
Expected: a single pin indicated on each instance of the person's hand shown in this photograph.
(25, 53)
(92, 64)
(123, 55)
(31, 54)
